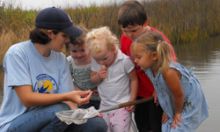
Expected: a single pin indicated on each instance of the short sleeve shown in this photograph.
(17, 69)
(128, 65)
(66, 83)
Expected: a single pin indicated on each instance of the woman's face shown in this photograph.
(58, 41)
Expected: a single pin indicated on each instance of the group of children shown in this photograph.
(145, 66)
(135, 71)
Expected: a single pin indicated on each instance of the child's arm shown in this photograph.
(172, 78)
(133, 85)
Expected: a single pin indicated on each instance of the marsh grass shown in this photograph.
(182, 21)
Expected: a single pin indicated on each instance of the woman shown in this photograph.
(37, 81)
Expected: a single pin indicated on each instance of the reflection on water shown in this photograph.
(204, 59)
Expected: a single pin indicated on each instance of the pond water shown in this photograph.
(204, 59)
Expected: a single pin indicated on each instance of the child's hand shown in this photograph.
(95, 92)
(100, 115)
(130, 108)
(177, 119)
(155, 97)
(102, 73)
(164, 118)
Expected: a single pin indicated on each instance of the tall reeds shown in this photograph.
(181, 20)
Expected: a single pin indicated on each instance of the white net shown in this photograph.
(77, 116)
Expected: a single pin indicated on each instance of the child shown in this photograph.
(179, 92)
(115, 75)
(80, 68)
(132, 19)
(37, 81)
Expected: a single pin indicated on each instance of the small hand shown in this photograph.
(177, 119)
(103, 72)
(95, 92)
(155, 98)
(130, 108)
(164, 118)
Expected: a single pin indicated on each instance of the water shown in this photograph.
(204, 59)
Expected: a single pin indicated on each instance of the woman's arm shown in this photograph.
(30, 98)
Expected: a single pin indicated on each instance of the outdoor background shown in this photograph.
(193, 26)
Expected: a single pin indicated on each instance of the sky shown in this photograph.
(40, 4)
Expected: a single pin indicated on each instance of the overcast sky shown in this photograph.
(39, 4)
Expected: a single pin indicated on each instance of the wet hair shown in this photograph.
(40, 36)
(99, 37)
(131, 12)
(152, 41)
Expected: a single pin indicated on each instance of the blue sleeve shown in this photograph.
(17, 69)
(66, 83)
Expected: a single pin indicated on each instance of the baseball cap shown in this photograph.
(57, 19)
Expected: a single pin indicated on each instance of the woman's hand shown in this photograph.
(79, 97)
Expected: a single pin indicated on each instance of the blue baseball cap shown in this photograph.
(57, 19)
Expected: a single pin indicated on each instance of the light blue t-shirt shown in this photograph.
(24, 65)
(195, 106)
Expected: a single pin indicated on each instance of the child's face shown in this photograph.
(133, 31)
(105, 57)
(142, 57)
(79, 52)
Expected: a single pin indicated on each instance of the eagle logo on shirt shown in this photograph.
(45, 84)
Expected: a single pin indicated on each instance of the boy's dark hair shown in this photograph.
(39, 36)
(81, 39)
(131, 13)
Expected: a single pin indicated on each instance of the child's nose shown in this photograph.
(78, 54)
(135, 60)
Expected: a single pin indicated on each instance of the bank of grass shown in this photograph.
(181, 20)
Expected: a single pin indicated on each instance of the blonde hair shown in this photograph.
(99, 37)
(153, 41)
